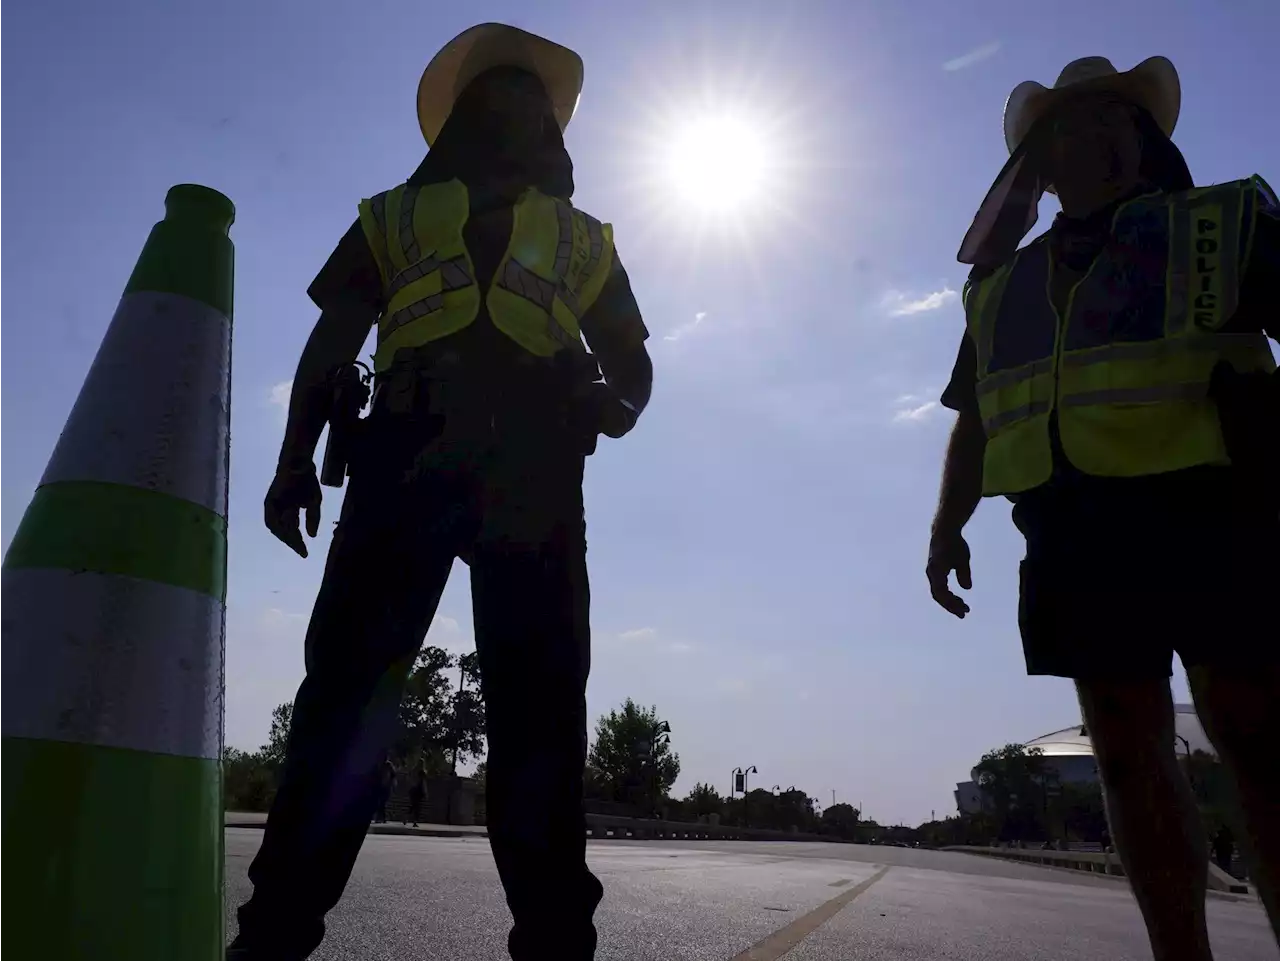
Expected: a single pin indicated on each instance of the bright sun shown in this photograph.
(718, 163)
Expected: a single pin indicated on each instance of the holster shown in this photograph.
(350, 392)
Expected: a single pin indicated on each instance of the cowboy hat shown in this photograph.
(490, 45)
(1152, 85)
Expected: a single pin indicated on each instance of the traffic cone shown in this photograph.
(113, 595)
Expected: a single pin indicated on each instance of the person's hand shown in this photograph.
(293, 490)
(948, 552)
(610, 416)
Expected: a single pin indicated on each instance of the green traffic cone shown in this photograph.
(113, 596)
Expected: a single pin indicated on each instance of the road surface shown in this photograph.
(419, 898)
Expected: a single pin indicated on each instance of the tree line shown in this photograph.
(1023, 800)
(630, 770)
(632, 767)
(441, 725)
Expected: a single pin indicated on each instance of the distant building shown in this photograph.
(968, 798)
(1069, 753)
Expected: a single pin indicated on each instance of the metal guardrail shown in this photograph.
(1092, 861)
(1097, 862)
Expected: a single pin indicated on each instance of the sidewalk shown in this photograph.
(258, 819)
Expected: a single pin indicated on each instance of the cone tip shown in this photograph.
(194, 201)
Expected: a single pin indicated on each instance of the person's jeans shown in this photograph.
(514, 510)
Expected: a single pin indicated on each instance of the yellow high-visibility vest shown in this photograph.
(1127, 365)
(553, 270)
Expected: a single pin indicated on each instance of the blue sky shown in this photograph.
(757, 544)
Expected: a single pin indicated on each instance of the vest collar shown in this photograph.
(1077, 240)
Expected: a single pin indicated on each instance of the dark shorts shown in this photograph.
(1121, 574)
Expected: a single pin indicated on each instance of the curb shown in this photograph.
(1219, 881)
(392, 829)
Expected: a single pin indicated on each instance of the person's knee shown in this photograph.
(1130, 724)
(1240, 711)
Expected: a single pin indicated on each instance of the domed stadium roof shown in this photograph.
(1189, 737)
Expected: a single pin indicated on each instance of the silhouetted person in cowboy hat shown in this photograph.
(1117, 384)
(482, 280)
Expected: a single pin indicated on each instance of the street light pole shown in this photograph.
(457, 726)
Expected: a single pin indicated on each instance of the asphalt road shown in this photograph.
(412, 899)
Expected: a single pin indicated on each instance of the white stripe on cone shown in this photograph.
(153, 412)
(113, 661)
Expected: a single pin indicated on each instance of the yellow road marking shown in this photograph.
(784, 939)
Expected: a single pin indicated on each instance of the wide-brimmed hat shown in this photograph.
(490, 45)
(1152, 85)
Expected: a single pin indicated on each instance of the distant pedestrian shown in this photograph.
(1224, 848)
(388, 787)
(417, 792)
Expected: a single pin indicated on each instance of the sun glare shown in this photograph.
(723, 164)
(717, 163)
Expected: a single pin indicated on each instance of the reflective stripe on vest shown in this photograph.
(1129, 369)
(561, 274)
(554, 267)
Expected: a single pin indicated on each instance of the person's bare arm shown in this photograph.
(348, 291)
(961, 485)
(961, 473)
(958, 499)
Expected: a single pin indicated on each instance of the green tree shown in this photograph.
(439, 725)
(1079, 812)
(793, 808)
(703, 801)
(1014, 783)
(842, 820)
(631, 760)
(248, 783)
(465, 716)
(273, 751)
(424, 708)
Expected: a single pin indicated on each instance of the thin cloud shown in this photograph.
(977, 55)
(916, 408)
(447, 632)
(902, 305)
(648, 635)
(733, 686)
(638, 634)
(274, 617)
(684, 329)
(918, 413)
(278, 396)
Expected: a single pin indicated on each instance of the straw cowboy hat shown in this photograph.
(490, 45)
(1152, 85)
